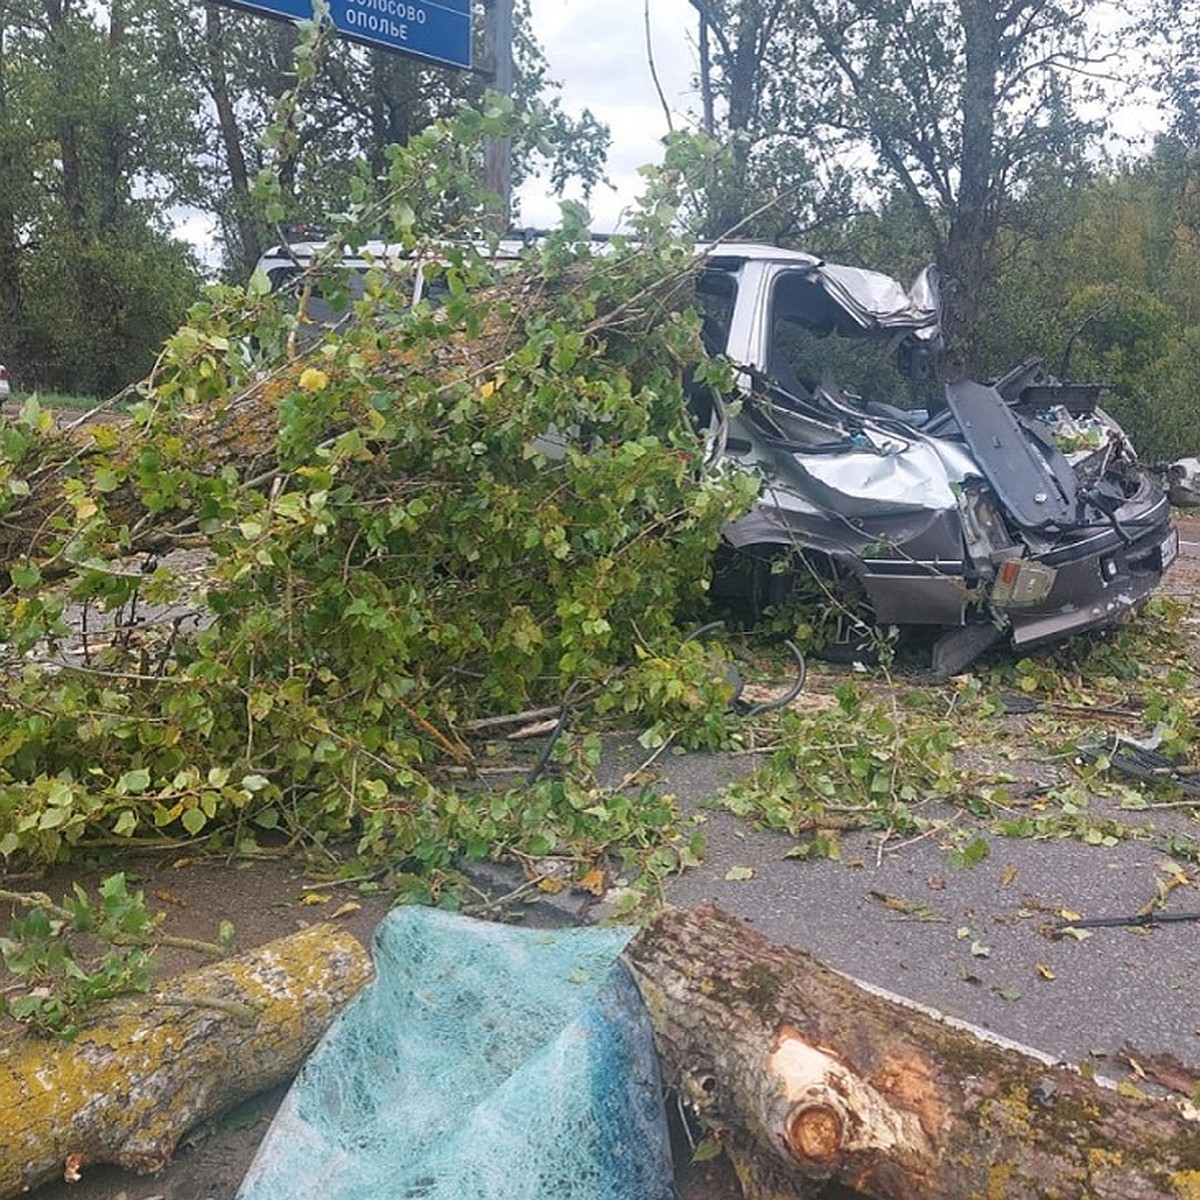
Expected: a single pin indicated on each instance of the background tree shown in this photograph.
(115, 116)
(92, 275)
(360, 103)
(765, 185)
(955, 104)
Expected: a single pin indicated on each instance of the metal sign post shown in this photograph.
(497, 152)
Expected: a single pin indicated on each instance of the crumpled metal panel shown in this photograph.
(1022, 473)
(877, 301)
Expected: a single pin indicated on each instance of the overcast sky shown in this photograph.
(597, 51)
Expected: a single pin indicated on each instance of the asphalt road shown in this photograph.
(985, 952)
(978, 944)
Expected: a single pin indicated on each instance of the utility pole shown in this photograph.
(498, 62)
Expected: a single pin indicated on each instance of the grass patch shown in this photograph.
(57, 400)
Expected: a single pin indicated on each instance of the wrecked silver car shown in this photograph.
(1014, 508)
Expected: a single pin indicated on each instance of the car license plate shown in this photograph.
(1169, 548)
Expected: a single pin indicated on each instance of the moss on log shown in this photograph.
(130, 1085)
(807, 1077)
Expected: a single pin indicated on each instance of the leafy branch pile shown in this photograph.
(435, 514)
(876, 755)
(65, 958)
(861, 762)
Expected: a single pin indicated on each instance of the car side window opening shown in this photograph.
(814, 344)
(716, 292)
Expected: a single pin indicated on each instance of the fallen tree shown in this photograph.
(805, 1077)
(212, 426)
(126, 1088)
(394, 544)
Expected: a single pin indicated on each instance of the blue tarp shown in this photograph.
(485, 1062)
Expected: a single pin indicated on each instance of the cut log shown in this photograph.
(806, 1076)
(126, 1088)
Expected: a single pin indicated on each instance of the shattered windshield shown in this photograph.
(844, 332)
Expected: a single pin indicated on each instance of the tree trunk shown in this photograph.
(969, 251)
(70, 154)
(241, 208)
(125, 1089)
(742, 39)
(806, 1076)
(114, 139)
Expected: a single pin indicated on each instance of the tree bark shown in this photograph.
(70, 153)
(249, 239)
(125, 1089)
(806, 1076)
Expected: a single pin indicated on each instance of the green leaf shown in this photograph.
(133, 782)
(193, 820)
(707, 1149)
(25, 575)
(105, 480)
(125, 823)
(53, 818)
(971, 855)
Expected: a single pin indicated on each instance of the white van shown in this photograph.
(293, 266)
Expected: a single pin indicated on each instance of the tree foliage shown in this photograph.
(956, 106)
(765, 184)
(434, 514)
(1096, 279)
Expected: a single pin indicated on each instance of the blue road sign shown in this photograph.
(438, 30)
